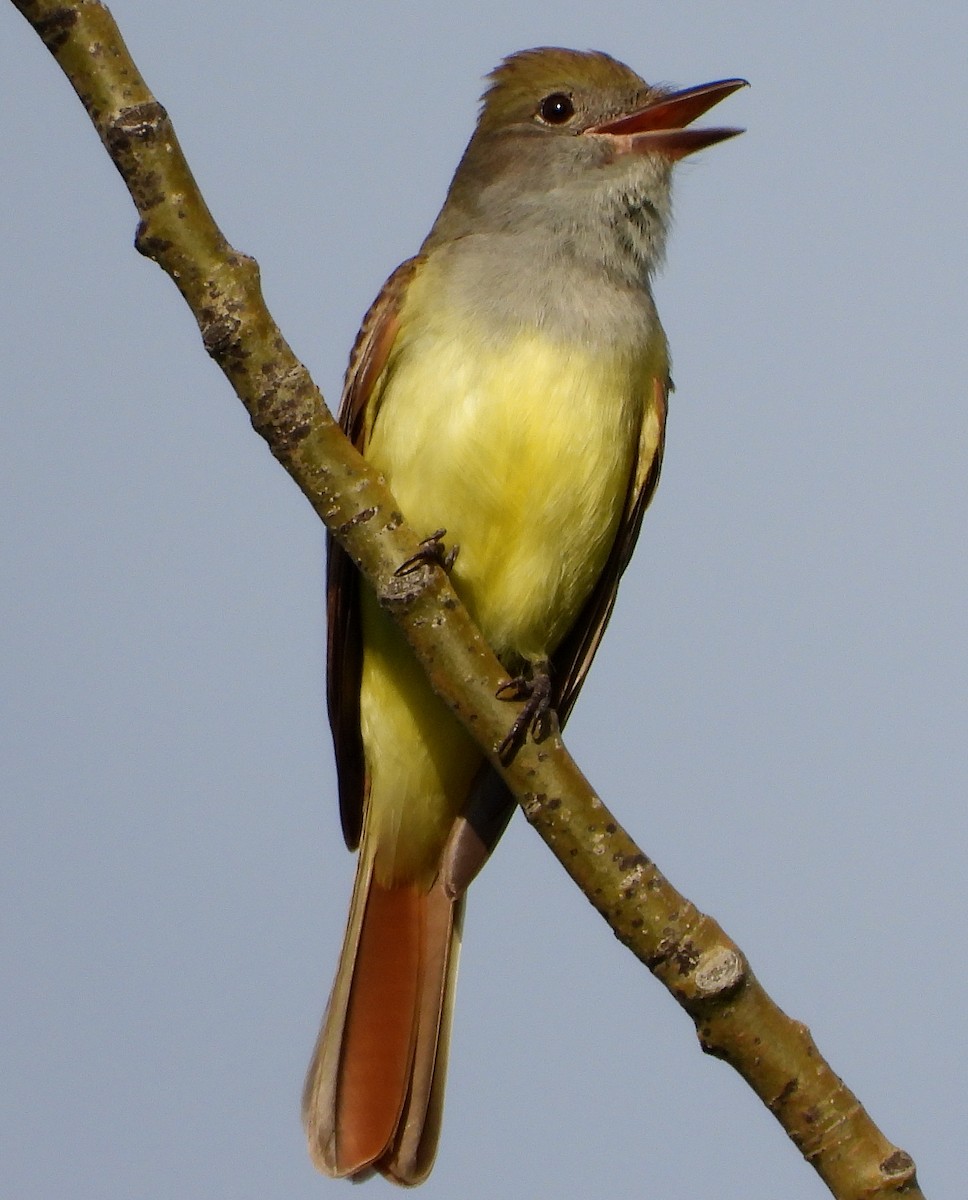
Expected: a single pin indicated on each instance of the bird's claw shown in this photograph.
(431, 552)
(536, 714)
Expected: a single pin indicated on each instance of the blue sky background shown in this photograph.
(778, 713)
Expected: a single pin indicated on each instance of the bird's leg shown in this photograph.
(432, 553)
(537, 713)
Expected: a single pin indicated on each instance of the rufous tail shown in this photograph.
(374, 1092)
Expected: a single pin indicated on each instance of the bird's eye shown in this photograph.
(556, 109)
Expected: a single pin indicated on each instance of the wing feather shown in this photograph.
(344, 646)
(571, 660)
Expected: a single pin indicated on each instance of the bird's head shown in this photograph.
(568, 140)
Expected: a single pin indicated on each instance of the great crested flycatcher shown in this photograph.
(510, 382)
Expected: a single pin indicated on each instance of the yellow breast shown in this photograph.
(522, 449)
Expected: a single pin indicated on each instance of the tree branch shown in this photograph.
(702, 968)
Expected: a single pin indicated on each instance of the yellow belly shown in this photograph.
(524, 456)
(523, 452)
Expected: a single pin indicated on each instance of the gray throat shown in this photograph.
(573, 254)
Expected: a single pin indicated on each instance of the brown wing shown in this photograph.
(570, 662)
(343, 643)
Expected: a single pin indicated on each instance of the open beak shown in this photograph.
(661, 126)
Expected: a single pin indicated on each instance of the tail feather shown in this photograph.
(374, 1091)
(411, 1156)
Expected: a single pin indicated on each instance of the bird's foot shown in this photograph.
(537, 714)
(431, 553)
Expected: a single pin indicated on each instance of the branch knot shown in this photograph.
(719, 973)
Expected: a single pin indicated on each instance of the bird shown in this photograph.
(511, 384)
